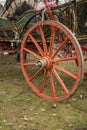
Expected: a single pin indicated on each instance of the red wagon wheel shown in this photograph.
(51, 73)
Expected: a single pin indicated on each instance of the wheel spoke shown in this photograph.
(60, 81)
(66, 72)
(52, 40)
(43, 81)
(36, 74)
(29, 64)
(65, 59)
(36, 44)
(52, 86)
(60, 47)
(31, 52)
(43, 39)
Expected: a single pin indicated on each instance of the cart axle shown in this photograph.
(45, 62)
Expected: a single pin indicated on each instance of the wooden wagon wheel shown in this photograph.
(51, 75)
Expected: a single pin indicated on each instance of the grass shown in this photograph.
(21, 109)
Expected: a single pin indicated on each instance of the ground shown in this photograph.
(21, 109)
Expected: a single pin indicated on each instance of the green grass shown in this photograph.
(21, 109)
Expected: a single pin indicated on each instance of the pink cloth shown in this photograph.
(41, 5)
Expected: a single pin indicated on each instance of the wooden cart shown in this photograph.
(56, 61)
(51, 56)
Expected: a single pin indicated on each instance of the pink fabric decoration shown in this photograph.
(41, 5)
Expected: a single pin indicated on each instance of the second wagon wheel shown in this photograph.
(53, 66)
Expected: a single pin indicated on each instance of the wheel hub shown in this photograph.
(45, 62)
